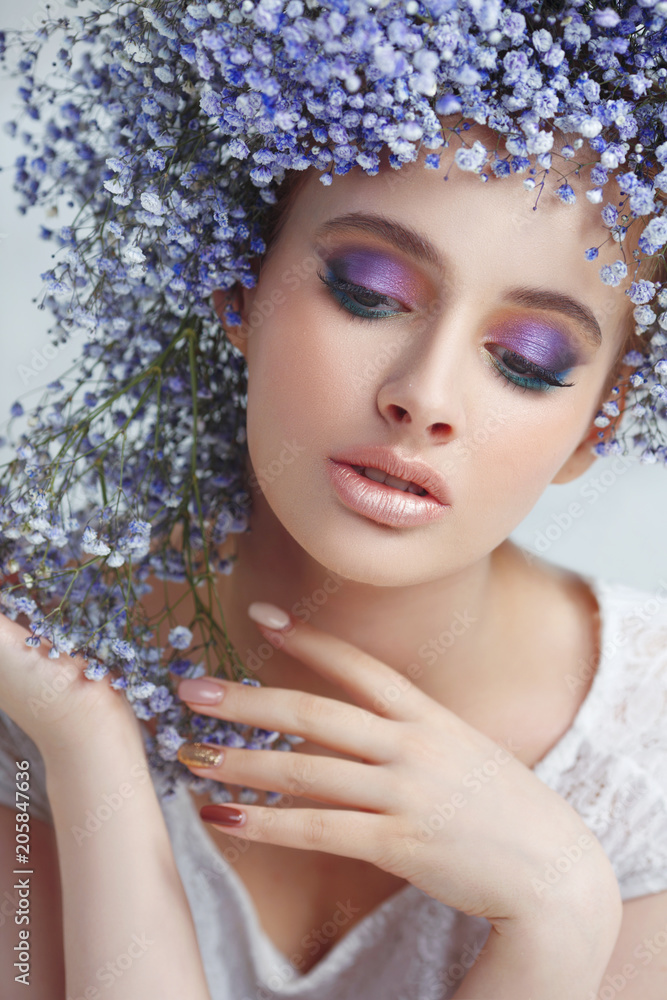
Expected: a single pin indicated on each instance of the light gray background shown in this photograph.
(610, 522)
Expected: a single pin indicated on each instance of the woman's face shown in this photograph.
(452, 357)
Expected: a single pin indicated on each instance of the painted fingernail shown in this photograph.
(201, 691)
(268, 615)
(200, 755)
(225, 815)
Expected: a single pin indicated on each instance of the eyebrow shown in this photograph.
(412, 243)
(398, 235)
(537, 298)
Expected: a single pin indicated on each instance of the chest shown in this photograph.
(307, 901)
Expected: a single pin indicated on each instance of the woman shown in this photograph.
(448, 336)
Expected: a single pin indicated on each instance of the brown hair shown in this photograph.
(275, 216)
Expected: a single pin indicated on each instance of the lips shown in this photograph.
(410, 470)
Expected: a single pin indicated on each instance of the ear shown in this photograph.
(580, 460)
(240, 300)
(583, 456)
(233, 299)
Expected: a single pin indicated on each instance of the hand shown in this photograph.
(432, 800)
(50, 699)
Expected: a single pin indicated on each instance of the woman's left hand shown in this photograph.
(431, 799)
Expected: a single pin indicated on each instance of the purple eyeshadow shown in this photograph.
(546, 346)
(377, 271)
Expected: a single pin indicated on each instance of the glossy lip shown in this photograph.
(381, 503)
(377, 457)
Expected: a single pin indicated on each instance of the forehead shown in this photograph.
(489, 236)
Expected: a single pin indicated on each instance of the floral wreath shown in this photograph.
(170, 127)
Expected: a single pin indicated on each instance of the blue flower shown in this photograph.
(161, 699)
(96, 670)
(180, 637)
(566, 194)
(473, 158)
(642, 291)
(123, 649)
(448, 104)
(92, 544)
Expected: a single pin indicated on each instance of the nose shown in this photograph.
(424, 391)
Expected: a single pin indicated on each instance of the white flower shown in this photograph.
(133, 254)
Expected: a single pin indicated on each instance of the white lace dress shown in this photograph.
(611, 766)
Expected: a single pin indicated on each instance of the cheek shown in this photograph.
(299, 384)
(504, 465)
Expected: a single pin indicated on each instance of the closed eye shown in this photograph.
(519, 370)
(360, 301)
(363, 303)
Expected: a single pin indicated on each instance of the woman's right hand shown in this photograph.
(426, 797)
(50, 699)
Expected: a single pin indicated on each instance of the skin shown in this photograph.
(432, 391)
(428, 388)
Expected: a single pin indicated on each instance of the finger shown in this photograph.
(335, 831)
(371, 683)
(313, 776)
(333, 724)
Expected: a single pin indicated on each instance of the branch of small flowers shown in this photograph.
(194, 481)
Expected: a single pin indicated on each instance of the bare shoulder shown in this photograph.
(31, 903)
(559, 614)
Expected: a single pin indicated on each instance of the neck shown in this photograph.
(439, 633)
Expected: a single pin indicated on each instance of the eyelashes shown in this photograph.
(342, 291)
(526, 373)
(512, 367)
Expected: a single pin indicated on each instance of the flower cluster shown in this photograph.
(170, 126)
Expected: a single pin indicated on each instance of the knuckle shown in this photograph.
(300, 776)
(415, 746)
(308, 709)
(314, 828)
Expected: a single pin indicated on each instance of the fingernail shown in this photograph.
(201, 691)
(225, 815)
(268, 615)
(200, 755)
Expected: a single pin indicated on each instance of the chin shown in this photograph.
(362, 551)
